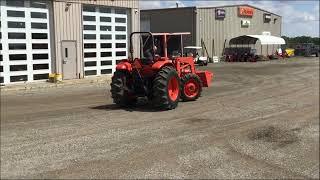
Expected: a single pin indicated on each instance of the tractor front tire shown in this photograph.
(166, 89)
(191, 87)
(119, 89)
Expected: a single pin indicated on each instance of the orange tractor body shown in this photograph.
(164, 79)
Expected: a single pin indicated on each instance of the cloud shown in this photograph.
(296, 21)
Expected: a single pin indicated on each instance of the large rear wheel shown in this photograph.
(119, 89)
(166, 89)
(190, 87)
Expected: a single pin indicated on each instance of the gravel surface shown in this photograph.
(258, 120)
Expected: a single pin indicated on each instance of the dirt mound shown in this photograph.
(274, 135)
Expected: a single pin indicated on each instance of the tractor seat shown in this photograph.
(146, 61)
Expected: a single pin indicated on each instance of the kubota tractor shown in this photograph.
(161, 76)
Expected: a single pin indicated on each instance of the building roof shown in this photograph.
(206, 7)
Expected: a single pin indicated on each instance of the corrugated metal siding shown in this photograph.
(114, 3)
(208, 28)
(135, 26)
(68, 25)
(172, 20)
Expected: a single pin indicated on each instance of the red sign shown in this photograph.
(246, 11)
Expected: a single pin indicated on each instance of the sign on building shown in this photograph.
(220, 13)
(245, 23)
(266, 18)
(246, 11)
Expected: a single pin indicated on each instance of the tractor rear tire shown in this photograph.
(119, 89)
(191, 87)
(166, 89)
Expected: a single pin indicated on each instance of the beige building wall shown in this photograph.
(210, 29)
(201, 22)
(68, 25)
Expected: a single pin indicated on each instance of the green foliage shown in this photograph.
(292, 41)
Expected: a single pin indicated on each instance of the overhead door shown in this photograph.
(25, 41)
(104, 38)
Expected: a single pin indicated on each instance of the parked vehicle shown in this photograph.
(164, 79)
(307, 49)
(194, 51)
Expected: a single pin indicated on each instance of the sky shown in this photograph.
(298, 17)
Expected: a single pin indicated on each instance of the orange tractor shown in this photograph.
(161, 76)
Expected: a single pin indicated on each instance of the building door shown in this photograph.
(25, 53)
(105, 31)
(69, 59)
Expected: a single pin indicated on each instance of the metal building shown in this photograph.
(215, 26)
(76, 38)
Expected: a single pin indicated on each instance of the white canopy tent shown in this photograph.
(252, 39)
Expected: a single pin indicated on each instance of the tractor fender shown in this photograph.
(126, 66)
(159, 64)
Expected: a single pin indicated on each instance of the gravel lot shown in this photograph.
(258, 120)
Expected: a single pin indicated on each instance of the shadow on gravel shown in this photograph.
(140, 106)
(275, 135)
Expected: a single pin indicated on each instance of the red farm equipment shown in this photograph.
(161, 76)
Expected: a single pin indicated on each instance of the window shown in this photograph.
(105, 19)
(105, 28)
(0, 46)
(38, 4)
(89, 18)
(16, 35)
(106, 71)
(40, 66)
(121, 11)
(89, 64)
(121, 45)
(89, 27)
(106, 63)
(18, 78)
(106, 54)
(89, 36)
(39, 56)
(17, 57)
(103, 9)
(90, 46)
(1, 68)
(105, 36)
(1, 58)
(15, 3)
(39, 36)
(121, 53)
(17, 46)
(118, 61)
(90, 73)
(121, 37)
(120, 20)
(40, 76)
(106, 45)
(39, 25)
(89, 8)
(40, 46)
(1, 79)
(90, 55)
(18, 67)
(11, 13)
(12, 24)
(120, 28)
(38, 15)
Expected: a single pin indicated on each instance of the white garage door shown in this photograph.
(25, 41)
(104, 39)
